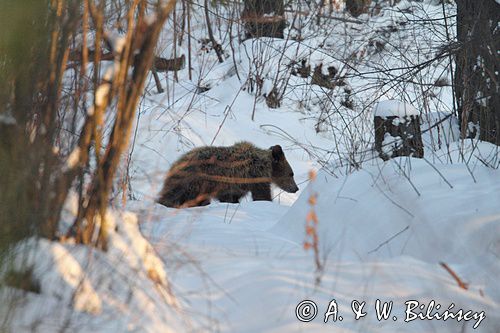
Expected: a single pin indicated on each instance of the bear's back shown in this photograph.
(242, 159)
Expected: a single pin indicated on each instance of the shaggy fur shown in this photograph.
(227, 174)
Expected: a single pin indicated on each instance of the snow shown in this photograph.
(380, 239)
(394, 108)
(388, 231)
(102, 93)
(7, 119)
(390, 144)
(116, 40)
(151, 18)
(76, 291)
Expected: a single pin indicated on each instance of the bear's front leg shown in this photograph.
(230, 196)
(261, 192)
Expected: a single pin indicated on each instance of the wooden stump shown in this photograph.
(163, 65)
(397, 130)
(357, 7)
(264, 18)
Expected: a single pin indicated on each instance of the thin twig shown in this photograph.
(388, 240)
(460, 283)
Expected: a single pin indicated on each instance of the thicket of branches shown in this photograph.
(424, 77)
(64, 124)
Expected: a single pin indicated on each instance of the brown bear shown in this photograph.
(227, 174)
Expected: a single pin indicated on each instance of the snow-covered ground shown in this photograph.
(243, 268)
(394, 231)
(81, 289)
(406, 230)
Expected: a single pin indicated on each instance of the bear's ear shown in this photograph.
(277, 153)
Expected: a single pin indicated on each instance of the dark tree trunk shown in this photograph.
(264, 18)
(216, 46)
(357, 7)
(477, 69)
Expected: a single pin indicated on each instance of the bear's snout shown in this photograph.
(291, 189)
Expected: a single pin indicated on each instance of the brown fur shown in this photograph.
(227, 174)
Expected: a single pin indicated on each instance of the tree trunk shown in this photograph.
(477, 69)
(357, 7)
(216, 46)
(264, 18)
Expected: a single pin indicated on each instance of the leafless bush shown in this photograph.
(68, 122)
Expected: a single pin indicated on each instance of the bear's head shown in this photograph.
(282, 173)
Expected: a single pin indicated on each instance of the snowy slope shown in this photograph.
(247, 269)
(82, 289)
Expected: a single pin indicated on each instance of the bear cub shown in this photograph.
(226, 174)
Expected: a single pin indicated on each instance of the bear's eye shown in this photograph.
(291, 174)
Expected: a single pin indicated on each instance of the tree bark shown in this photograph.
(476, 85)
(264, 18)
(357, 7)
